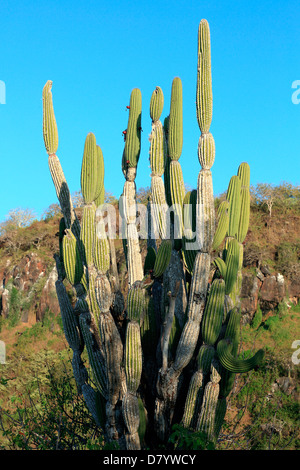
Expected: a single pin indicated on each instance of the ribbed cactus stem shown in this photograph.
(133, 133)
(177, 192)
(72, 260)
(130, 411)
(96, 358)
(156, 104)
(206, 151)
(244, 176)
(103, 293)
(204, 358)
(193, 399)
(233, 364)
(214, 312)
(49, 123)
(186, 345)
(232, 264)
(159, 208)
(205, 211)
(88, 232)
(163, 258)
(175, 134)
(63, 194)
(113, 352)
(158, 149)
(206, 421)
(199, 285)
(136, 302)
(234, 198)
(135, 267)
(69, 319)
(100, 175)
(204, 103)
(133, 356)
(101, 253)
(89, 173)
(223, 224)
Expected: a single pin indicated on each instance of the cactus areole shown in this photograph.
(165, 349)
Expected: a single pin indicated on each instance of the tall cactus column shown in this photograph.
(157, 157)
(130, 160)
(50, 134)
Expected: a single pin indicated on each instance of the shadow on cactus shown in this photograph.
(167, 353)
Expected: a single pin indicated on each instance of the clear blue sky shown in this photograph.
(97, 51)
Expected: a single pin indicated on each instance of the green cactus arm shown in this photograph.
(99, 173)
(204, 100)
(186, 345)
(133, 356)
(193, 399)
(133, 133)
(232, 364)
(156, 104)
(88, 232)
(50, 132)
(159, 207)
(204, 358)
(233, 328)
(89, 181)
(101, 254)
(234, 197)
(221, 265)
(96, 359)
(163, 258)
(177, 193)
(136, 302)
(158, 149)
(175, 135)
(232, 264)
(72, 259)
(214, 312)
(69, 319)
(244, 174)
(223, 224)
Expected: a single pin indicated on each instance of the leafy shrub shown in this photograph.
(186, 439)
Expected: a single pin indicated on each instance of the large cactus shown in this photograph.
(180, 323)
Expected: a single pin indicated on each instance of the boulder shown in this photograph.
(272, 292)
(28, 271)
(48, 299)
(249, 296)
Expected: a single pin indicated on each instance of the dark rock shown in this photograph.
(249, 295)
(272, 292)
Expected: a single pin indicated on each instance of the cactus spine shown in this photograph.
(181, 319)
